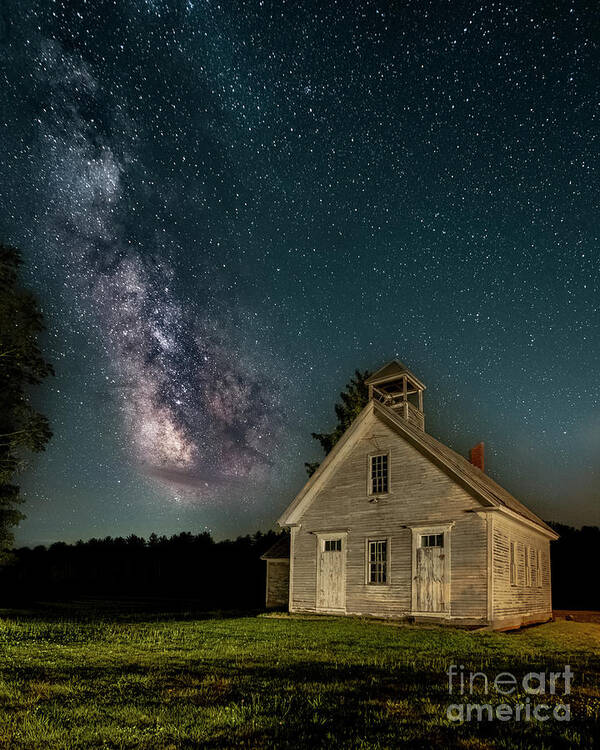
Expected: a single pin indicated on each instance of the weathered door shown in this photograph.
(430, 573)
(331, 574)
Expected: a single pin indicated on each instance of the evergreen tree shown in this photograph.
(22, 365)
(352, 402)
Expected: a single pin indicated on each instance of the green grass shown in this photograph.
(276, 682)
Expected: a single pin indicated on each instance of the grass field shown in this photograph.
(277, 682)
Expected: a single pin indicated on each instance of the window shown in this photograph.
(379, 474)
(533, 553)
(527, 556)
(538, 569)
(378, 551)
(333, 545)
(432, 540)
(513, 565)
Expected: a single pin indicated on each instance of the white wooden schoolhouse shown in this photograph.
(395, 524)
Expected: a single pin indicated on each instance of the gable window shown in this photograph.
(513, 565)
(432, 540)
(333, 545)
(377, 561)
(379, 480)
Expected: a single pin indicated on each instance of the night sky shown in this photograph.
(225, 208)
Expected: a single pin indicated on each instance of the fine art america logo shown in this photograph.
(536, 685)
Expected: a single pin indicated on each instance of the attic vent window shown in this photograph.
(379, 474)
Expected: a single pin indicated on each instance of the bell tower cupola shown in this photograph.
(395, 386)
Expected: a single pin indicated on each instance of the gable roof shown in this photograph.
(278, 551)
(483, 485)
(484, 488)
(389, 371)
(395, 367)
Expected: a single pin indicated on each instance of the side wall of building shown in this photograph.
(524, 597)
(278, 582)
(421, 493)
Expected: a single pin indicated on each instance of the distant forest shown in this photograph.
(574, 567)
(223, 575)
(214, 575)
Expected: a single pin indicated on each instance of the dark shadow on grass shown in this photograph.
(313, 704)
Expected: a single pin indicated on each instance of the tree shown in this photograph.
(22, 365)
(353, 400)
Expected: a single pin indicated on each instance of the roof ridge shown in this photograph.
(486, 484)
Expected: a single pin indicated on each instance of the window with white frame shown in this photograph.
(377, 561)
(513, 565)
(332, 545)
(538, 568)
(527, 556)
(379, 479)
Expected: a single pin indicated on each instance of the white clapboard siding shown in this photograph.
(421, 494)
(527, 596)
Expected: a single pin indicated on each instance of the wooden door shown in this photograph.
(430, 573)
(331, 574)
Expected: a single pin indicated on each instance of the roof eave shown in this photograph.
(287, 518)
(517, 517)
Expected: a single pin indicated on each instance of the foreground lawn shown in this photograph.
(278, 682)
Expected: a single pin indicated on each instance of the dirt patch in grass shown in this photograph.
(577, 615)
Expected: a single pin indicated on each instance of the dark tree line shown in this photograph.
(575, 567)
(225, 575)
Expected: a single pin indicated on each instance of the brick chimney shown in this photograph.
(476, 456)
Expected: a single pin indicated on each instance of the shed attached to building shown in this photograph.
(278, 573)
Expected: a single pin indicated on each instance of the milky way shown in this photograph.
(198, 410)
(225, 208)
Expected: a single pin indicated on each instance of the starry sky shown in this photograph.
(227, 207)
